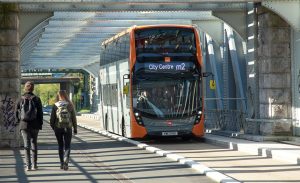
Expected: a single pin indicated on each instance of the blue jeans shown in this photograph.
(64, 136)
(30, 143)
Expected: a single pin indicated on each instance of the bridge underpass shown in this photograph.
(252, 95)
(64, 83)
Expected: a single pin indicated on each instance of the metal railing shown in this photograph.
(228, 120)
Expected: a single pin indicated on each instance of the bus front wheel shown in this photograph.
(123, 128)
(106, 122)
(186, 138)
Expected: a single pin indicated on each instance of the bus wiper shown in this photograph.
(142, 78)
(142, 55)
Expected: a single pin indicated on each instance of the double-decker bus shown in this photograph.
(150, 82)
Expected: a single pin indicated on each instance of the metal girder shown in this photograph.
(252, 65)
(30, 20)
(28, 43)
(214, 28)
(129, 1)
(84, 31)
(56, 59)
(114, 23)
(62, 43)
(288, 10)
(133, 15)
(93, 69)
(78, 64)
(236, 19)
(66, 35)
(213, 65)
(129, 5)
(235, 67)
(68, 49)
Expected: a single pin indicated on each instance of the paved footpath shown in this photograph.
(95, 158)
(228, 159)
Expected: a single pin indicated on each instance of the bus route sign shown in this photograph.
(165, 67)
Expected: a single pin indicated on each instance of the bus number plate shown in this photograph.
(169, 133)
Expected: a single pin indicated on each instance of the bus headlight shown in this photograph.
(198, 117)
(138, 118)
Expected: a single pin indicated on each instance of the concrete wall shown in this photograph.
(9, 74)
(274, 71)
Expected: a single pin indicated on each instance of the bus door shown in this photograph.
(113, 95)
(124, 99)
(104, 76)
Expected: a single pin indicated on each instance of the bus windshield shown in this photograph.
(157, 43)
(167, 98)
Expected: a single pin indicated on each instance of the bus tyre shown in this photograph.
(123, 128)
(186, 138)
(199, 139)
(106, 122)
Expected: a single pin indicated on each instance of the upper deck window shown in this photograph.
(155, 44)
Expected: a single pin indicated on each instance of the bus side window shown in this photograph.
(127, 45)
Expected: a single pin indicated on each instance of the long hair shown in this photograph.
(62, 95)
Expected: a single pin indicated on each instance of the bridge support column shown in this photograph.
(273, 75)
(9, 74)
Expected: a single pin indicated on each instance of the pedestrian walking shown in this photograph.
(63, 118)
(29, 113)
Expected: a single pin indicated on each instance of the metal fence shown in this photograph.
(227, 120)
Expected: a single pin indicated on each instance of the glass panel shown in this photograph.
(167, 98)
(156, 43)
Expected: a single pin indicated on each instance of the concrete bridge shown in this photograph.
(252, 47)
(64, 83)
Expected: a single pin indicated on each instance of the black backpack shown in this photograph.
(28, 109)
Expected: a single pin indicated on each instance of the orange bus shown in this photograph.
(151, 82)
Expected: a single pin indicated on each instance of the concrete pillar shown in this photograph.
(274, 74)
(9, 74)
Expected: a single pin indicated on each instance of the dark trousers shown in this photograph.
(64, 136)
(30, 144)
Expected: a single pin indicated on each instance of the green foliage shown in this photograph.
(85, 110)
(47, 93)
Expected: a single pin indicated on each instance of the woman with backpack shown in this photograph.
(63, 118)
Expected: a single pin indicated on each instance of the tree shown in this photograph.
(47, 93)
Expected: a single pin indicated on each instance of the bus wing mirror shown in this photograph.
(126, 89)
(125, 84)
(126, 76)
(206, 74)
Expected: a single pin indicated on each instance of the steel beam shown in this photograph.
(86, 30)
(117, 23)
(137, 5)
(236, 67)
(252, 64)
(213, 64)
(211, 27)
(236, 19)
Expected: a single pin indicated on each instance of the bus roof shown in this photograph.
(144, 27)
